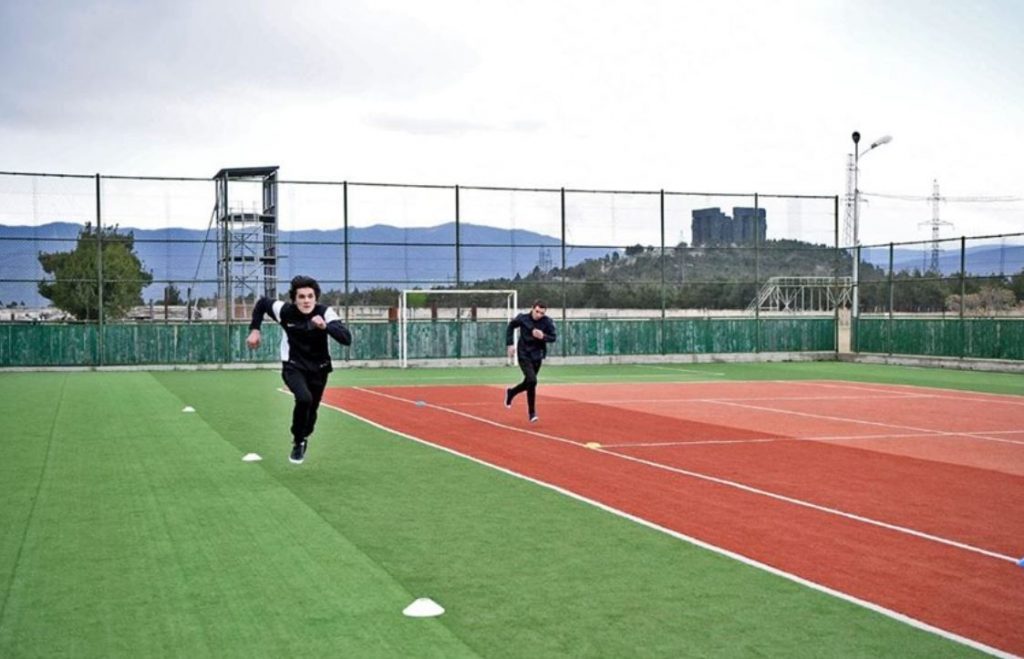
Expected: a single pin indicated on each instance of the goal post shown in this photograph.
(505, 302)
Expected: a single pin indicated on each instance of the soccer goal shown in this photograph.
(454, 324)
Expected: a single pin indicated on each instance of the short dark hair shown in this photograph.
(302, 281)
(540, 303)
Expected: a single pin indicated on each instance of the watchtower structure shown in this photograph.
(247, 235)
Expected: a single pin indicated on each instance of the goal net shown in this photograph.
(466, 325)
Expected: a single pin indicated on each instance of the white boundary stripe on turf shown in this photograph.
(895, 615)
(714, 479)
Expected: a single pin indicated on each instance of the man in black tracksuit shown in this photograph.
(305, 358)
(536, 331)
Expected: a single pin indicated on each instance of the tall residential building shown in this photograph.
(749, 225)
(710, 226)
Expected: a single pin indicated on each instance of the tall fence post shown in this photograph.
(344, 220)
(661, 334)
(457, 326)
(892, 296)
(855, 311)
(99, 274)
(565, 324)
(757, 272)
(963, 295)
(458, 241)
(225, 241)
(835, 272)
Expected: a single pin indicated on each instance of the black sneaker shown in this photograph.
(533, 418)
(508, 398)
(298, 452)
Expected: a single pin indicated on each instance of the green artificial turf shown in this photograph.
(131, 528)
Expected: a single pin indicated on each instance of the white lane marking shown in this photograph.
(871, 606)
(714, 479)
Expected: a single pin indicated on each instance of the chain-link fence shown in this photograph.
(629, 250)
(115, 250)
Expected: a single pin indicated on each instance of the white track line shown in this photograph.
(617, 379)
(737, 401)
(714, 479)
(889, 613)
(680, 370)
(677, 401)
(897, 426)
(951, 394)
(764, 440)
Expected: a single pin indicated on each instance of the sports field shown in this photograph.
(814, 509)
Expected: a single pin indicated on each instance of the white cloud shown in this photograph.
(736, 96)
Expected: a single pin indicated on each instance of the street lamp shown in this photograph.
(885, 139)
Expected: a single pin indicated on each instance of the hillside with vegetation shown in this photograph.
(729, 278)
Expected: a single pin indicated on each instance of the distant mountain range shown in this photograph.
(408, 258)
(980, 259)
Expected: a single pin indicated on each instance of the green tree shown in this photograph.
(172, 295)
(73, 287)
(1017, 285)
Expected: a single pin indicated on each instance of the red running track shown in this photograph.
(904, 497)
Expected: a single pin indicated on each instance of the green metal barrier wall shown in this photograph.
(976, 338)
(151, 343)
(47, 345)
(697, 336)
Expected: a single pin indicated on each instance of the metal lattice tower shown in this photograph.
(848, 201)
(246, 216)
(935, 223)
(544, 261)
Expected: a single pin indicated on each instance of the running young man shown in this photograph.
(536, 331)
(305, 359)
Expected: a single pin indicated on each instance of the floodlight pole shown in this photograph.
(855, 312)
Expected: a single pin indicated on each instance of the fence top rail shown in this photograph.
(429, 186)
(46, 175)
(929, 242)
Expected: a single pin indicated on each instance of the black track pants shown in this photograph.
(308, 388)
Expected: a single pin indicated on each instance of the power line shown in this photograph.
(936, 222)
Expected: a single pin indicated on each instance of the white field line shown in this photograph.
(889, 613)
(677, 401)
(951, 394)
(715, 479)
(764, 440)
(617, 379)
(680, 370)
(982, 434)
(895, 426)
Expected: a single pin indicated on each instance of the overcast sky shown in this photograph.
(726, 96)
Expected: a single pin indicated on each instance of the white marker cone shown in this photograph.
(424, 607)
(188, 408)
(251, 457)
